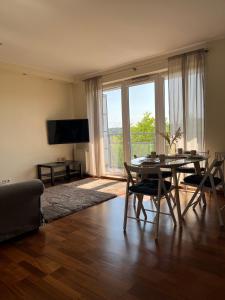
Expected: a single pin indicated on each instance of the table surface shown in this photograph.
(58, 163)
(170, 161)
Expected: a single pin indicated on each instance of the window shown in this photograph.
(134, 111)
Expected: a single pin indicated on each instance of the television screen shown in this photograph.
(67, 131)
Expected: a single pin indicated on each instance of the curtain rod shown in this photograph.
(142, 65)
(190, 52)
(134, 69)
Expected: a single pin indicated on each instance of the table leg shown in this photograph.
(197, 167)
(52, 177)
(177, 196)
(81, 171)
(39, 172)
(68, 172)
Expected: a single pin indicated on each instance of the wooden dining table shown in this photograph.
(173, 162)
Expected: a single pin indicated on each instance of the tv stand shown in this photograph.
(66, 169)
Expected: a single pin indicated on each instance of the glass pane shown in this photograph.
(113, 133)
(142, 118)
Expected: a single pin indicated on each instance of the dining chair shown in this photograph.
(221, 156)
(191, 170)
(165, 174)
(206, 182)
(157, 188)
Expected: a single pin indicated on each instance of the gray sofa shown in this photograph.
(20, 208)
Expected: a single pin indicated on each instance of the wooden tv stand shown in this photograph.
(66, 169)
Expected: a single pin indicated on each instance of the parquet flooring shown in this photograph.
(87, 256)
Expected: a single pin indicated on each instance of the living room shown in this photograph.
(75, 218)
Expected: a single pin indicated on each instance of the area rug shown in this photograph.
(102, 185)
(65, 199)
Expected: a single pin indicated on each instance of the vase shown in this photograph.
(172, 149)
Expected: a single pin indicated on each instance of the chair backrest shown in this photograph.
(204, 152)
(221, 156)
(205, 164)
(143, 170)
(213, 169)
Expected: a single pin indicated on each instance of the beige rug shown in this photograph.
(65, 199)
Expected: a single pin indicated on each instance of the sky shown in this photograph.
(141, 100)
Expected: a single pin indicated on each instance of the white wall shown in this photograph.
(215, 97)
(26, 103)
(80, 111)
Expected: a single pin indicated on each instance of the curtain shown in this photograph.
(93, 90)
(186, 77)
(175, 93)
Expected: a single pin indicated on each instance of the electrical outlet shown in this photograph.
(5, 181)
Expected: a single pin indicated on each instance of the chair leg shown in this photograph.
(140, 206)
(173, 199)
(134, 202)
(178, 179)
(218, 207)
(155, 203)
(190, 202)
(157, 219)
(171, 210)
(198, 200)
(125, 212)
(204, 199)
(224, 188)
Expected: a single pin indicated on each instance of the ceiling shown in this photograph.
(75, 37)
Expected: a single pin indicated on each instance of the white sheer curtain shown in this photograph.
(186, 82)
(175, 93)
(93, 90)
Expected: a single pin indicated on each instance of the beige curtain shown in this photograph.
(186, 77)
(93, 90)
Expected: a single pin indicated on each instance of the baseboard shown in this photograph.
(107, 177)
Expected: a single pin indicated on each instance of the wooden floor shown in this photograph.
(87, 256)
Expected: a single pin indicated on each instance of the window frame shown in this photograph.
(160, 123)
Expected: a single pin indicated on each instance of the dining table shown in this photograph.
(173, 162)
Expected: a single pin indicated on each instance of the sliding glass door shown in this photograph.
(142, 118)
(134, 112)
(113, 131)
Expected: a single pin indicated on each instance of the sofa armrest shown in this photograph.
(32, 187)
(20, 210)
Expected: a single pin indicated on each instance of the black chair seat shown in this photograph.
(149, 187)
(165, 174)
(188, 170)
(196, 180)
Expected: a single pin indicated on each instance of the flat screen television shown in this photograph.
(68, 131)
